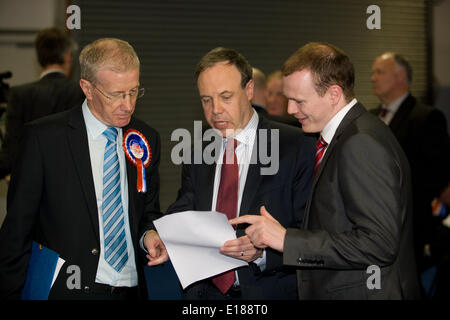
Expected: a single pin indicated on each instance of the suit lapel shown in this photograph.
(401, 116)
(355, 112)
(206, 175)
(78, 144)
(132, 185)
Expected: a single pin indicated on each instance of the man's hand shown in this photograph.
(264, 231)
(241, 248)
(157, 253)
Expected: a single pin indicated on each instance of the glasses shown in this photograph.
(134, 94)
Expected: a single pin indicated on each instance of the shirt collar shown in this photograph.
(94, 126)
(331, 127)
(394, 105)
(43, 74)
(247, 135)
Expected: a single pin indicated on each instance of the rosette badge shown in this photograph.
(138, 152)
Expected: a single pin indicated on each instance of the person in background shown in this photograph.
(275, 100)
(259, 88)
(421, 130)
(52, 93)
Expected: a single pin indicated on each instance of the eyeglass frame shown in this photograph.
(139, 93)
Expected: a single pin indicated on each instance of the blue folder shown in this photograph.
(41, 268)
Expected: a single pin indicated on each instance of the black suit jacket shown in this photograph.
(358, 214)
(51, 94)
(422, 132)
(284, 195)
(52, 200)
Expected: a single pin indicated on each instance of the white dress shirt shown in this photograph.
(330, 128)
(97, 143)
(246, 139)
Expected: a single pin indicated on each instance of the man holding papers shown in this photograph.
(76, 188)
(240, 182)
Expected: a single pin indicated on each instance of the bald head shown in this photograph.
(259, 80)
(391, 77)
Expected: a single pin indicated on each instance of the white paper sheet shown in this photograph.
(59, 264)
(193, 240)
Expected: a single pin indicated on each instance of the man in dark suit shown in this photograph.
(422, 132)
(356, 238)
(76, 191)
(224, 80)
(53, 92)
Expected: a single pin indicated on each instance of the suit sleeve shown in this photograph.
(301, 184)
(24, 197)
(185, 197)
(371, 187)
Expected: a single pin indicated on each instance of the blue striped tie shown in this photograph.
(112, 211)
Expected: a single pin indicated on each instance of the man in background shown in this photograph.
(275, 100)
(422, 132)
(259, 88)
(52, 93)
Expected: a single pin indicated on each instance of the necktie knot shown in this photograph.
(231, 144)
(111, 134)
(383, 112)
(321, 143)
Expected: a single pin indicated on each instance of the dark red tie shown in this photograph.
(383, 113)
(227, 201)
(320, 150)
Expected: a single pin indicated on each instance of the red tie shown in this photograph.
(227, 201)
(383, 113)
(320, 150)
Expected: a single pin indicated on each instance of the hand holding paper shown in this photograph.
(157, 252)
(193, 240)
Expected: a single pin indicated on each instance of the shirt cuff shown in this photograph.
(141, 242)
(261, 262)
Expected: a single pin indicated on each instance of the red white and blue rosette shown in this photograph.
(138, 152)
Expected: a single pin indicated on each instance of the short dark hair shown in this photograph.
(233, 57)
(404, 64)
(328, 65)
(51, 45)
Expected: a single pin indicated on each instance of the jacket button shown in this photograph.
(94, 251)
(87, 289)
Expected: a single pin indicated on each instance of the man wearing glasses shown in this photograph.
(85, 199)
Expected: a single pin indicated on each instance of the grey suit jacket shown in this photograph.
(358, 214)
